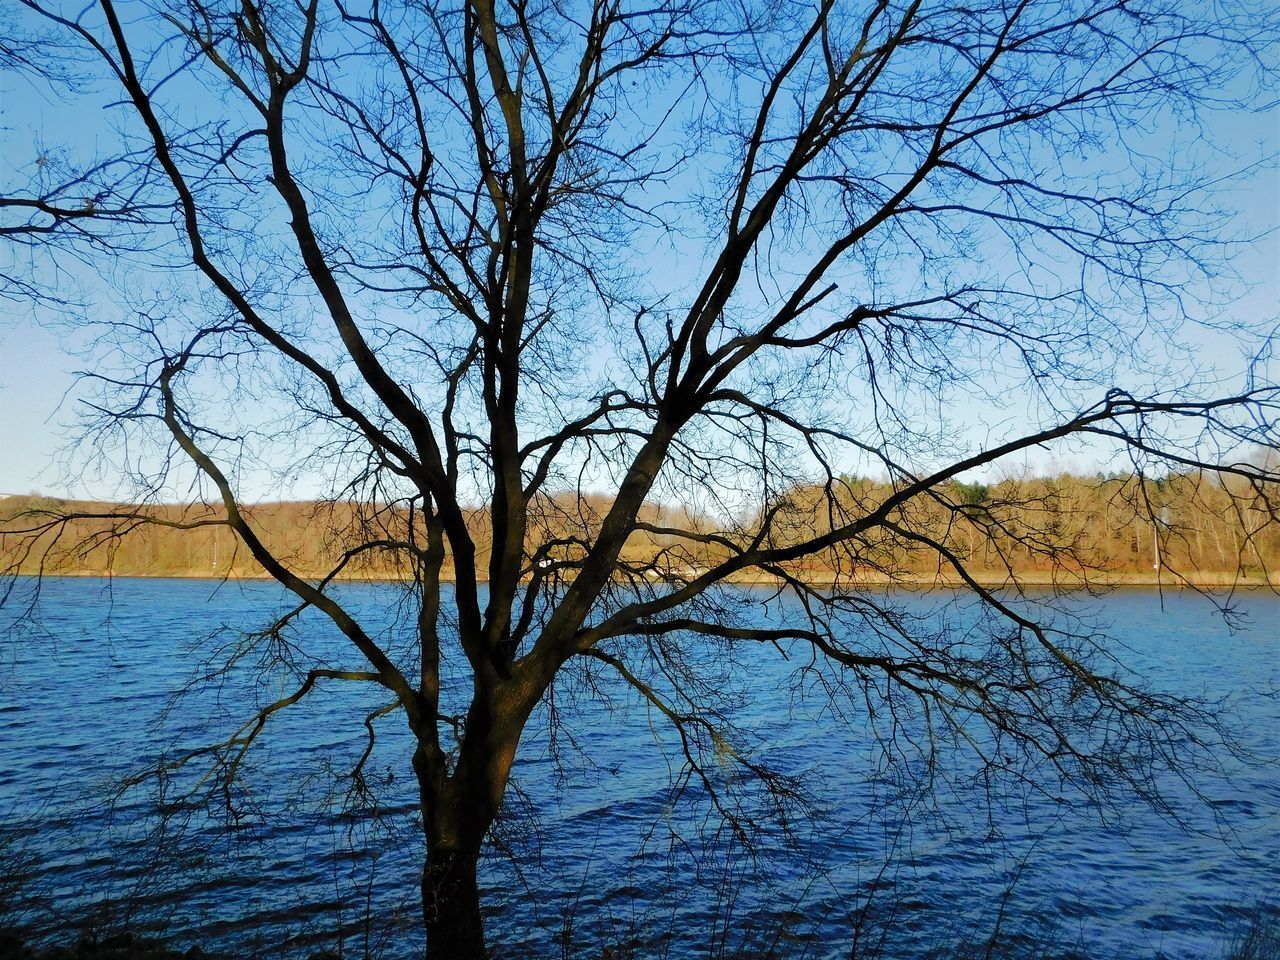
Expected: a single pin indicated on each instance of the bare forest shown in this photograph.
(1185, 529)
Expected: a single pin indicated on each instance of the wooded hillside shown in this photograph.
(1058, 528)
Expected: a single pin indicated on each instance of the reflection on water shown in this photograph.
(598, 848)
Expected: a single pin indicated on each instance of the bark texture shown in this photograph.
(451, 906)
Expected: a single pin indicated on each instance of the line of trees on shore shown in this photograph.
(1058, 528)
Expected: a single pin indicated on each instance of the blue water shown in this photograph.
(607, 842)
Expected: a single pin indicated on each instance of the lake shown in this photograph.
(606, 843)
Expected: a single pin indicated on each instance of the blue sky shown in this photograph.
(37, 362)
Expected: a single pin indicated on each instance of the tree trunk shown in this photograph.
(451, 906)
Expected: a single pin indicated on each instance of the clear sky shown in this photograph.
(37, 387)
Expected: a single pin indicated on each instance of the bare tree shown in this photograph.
(469, 262)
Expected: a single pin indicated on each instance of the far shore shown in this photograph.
(1210, 579)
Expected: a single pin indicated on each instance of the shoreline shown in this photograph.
(1210, 579)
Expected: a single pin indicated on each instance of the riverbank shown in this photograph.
(1207, 580)
(1066, 532)
(121, 946)
(1258, 939)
